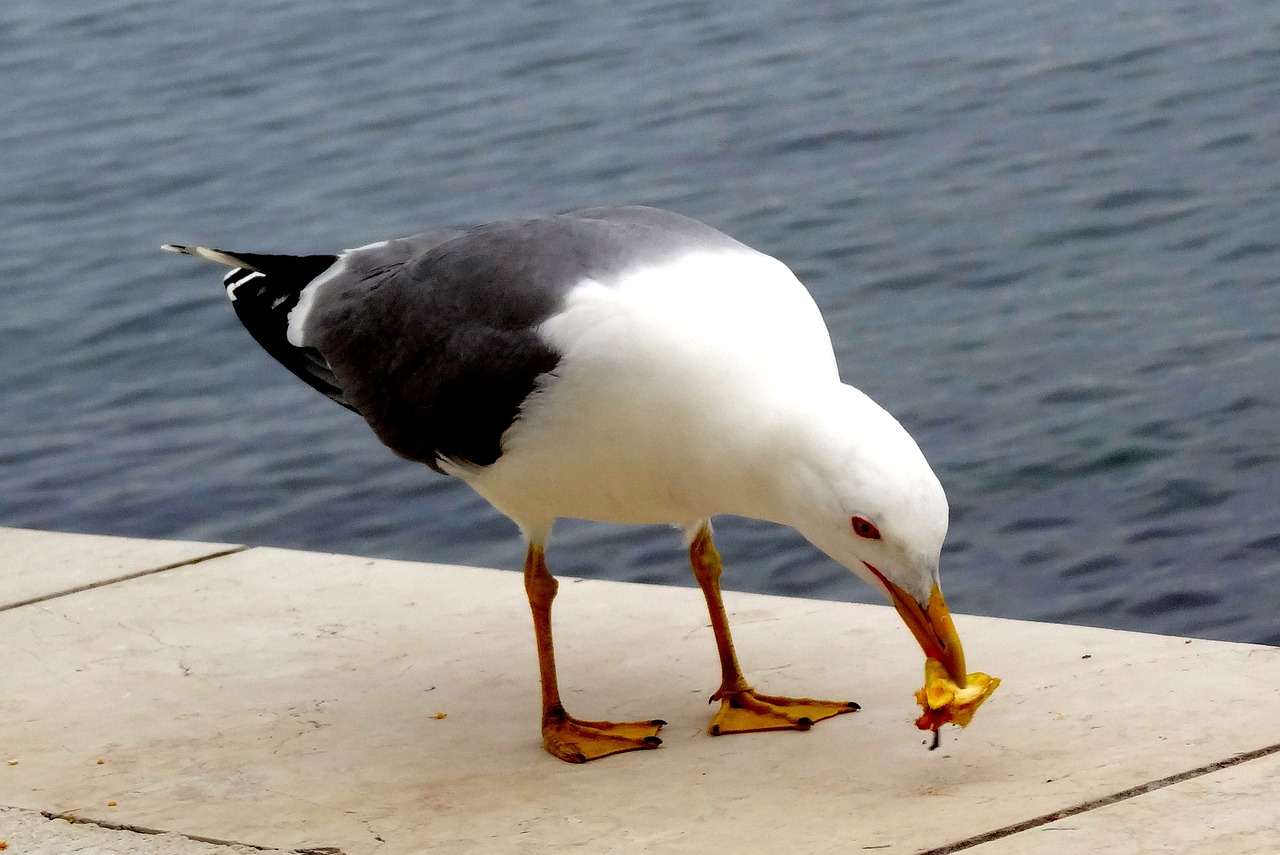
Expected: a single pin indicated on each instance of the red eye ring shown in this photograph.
(863, 527)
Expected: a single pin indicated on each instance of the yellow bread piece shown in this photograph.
(945, 701)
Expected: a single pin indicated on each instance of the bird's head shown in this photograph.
(863, 493)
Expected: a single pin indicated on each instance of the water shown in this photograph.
(1044, 235)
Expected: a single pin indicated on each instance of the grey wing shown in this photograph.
(435, 342)
(434, 339)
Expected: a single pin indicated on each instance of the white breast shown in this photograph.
(663, 406)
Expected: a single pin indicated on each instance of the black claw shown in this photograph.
(854, 705)
(715, 730)
(804, 723)
(711, 700)
(581, 758)
(659, 722)
(653, 740)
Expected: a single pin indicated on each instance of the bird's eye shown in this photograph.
(863, 527)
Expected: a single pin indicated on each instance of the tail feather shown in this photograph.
(264, 289)
(216, 255)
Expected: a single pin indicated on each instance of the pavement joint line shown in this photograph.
(68, 816)
(125, 578)
(1104, 801)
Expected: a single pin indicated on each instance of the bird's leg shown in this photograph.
(571, 739)
(742, 708)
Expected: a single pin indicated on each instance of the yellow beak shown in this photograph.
(931, 625)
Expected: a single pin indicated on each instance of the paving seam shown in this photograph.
(140, 829)
(1104, 801)
(125, 578)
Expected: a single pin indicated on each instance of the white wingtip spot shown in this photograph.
(231, 288)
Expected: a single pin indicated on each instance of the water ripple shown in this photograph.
(1042, 233)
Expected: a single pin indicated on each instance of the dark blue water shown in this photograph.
(1046, 235)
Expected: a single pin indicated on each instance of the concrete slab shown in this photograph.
(291, 700)
(1231, 812)
(39, 564)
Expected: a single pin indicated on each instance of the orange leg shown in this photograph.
(571, 739)
(742, 708)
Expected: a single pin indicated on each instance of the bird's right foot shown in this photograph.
(577, 741)
(744, 710)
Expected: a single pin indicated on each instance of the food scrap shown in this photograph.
(440, 715)
(944, 700)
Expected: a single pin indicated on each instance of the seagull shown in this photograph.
(626, 365)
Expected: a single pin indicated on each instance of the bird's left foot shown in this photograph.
(747, 711)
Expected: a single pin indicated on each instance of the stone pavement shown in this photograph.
(295, 701)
